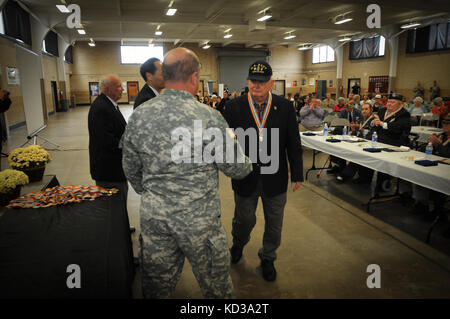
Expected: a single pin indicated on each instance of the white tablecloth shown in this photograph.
(397, 164)
(425, 132)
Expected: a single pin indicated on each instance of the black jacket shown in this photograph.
(106, 125)
(221, 106)
(282, 116)
(399, 127)
(144, 95)
(5, 104)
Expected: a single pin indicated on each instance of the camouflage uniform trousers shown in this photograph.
(164, 246)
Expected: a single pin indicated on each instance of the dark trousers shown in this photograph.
(245, 219)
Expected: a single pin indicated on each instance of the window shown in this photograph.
(2, 26)
(323, 54)
(430, 38)
(50, 43)
(367, 48)
(139, 54)
(16, 22)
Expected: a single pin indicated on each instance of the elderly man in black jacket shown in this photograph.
(393, 125)
(264, 113)
(151, 72)
(106, 125)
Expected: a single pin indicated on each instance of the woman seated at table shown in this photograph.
(417, 109)
(340, 106)
(438, 107)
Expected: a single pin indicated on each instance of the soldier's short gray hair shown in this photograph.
(356, 96)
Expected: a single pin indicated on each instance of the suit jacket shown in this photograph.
(106, 125)
(144, 95)
(399, 127)
(282, 116)
(356, 115)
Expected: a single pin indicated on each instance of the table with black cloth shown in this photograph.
(37, 246)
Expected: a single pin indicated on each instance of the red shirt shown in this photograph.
(442, 110)
(338, 108)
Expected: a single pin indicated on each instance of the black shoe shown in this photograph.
(236, 254)
(268, 270)
(132, 229)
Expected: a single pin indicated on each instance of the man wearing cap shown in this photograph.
(257, 110)
(392, 124)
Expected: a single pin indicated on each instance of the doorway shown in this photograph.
(133, 90)
(354, 85)
(55, 96)
(321, 89)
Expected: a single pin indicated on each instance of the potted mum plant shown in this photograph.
(31, 160)
(11, 181)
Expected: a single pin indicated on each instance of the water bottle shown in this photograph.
(374, 139)
(325, 130)
(429, 151)
(344, 132)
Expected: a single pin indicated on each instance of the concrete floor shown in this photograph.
(327, 242)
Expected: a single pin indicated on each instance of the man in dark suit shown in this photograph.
(266, 115)
(151, 72)
(106, 125)
(393, 125)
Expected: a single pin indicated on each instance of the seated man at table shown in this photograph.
(328, 102)
(393, 125)
(422, 196)
(311, 116)
(354, 116)
(363, 129)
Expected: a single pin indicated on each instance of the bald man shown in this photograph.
(106, 125)
(180, 207)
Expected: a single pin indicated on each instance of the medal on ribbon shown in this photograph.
(260, 123)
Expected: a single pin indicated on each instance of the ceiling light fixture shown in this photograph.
(345, 38)
(81, 31)
(171, 11)
(266, 15)
(92, 43)
(342, 18)
(62, 8)
(289, 35)
(158, 32)
(410, 25)
(227, 34)
(206, 46)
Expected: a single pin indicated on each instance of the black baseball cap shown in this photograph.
(395, 96)
(259, 71)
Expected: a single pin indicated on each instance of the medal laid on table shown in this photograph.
(260, 123)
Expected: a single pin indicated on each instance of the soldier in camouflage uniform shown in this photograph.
(180, 207)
